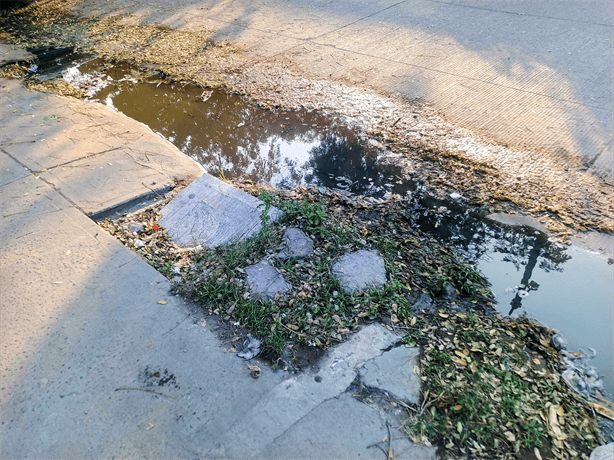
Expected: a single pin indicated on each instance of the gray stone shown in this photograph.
(11, 53)
(212, 213)
(603, 452)
(360, 270)
(136, 227)
(267, 281)
(393, 372)
(296, 244)
(424, 302)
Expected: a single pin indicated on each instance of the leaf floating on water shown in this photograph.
(162, 302)
(602, 410)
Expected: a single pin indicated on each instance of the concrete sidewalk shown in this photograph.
(83, 331)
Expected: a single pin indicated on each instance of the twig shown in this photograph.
(159, 196)
(294, 332)
(188, 315)
(146, 389)
(389, 440)
(377, 444)
(395, 123)
(231, 340)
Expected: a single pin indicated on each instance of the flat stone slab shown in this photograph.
(360, 270)
(212, 213)
(393, 371)
(603, 452)
(267, 281)
(296, 244)
(12, 53)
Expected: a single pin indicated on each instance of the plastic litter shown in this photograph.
(251, 348)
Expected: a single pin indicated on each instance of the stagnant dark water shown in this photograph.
(567, 289)
(232, 138)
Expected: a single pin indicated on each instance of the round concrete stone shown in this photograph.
(603, 452)
(360, 270)
(297, 244)
(266, 280)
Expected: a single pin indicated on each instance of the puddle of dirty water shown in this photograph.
(233, 138)
(574, 297)
(565, 288)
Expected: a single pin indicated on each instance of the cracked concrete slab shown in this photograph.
(71, 145)
(211, 213)
(397, 372)
(294, 398)
(10, 170)
(344, 427)
(80, 320)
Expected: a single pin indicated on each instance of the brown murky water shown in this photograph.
(233, 138)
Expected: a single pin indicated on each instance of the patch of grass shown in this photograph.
(317, 311)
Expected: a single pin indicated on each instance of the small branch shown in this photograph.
(389, 455)
(146, 389)
(294, 332)
(188, 315)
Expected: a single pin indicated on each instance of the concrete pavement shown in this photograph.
(92, 364)
(534, 75)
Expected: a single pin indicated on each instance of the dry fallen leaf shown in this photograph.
(460, 362)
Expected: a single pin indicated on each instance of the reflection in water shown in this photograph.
(235, 139)
(565, 288)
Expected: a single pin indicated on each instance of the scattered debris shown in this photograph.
(493, 387)
(254, 371)
(251, 348)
